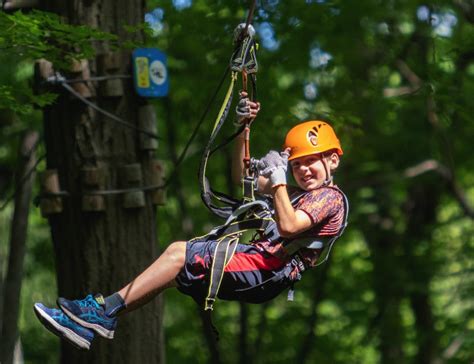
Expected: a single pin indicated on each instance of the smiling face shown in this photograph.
(310, 172)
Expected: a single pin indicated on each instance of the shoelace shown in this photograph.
(89, 302)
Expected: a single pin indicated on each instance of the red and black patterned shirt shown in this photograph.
(325, 207)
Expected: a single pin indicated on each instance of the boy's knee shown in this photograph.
(177, 251)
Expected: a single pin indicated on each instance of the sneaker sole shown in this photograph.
(61, 331)
(102, 331)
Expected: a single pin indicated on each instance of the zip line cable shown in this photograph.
(106, 113)
(227, 140)
(196, 128)
(64, 83)
(97, 78)
(120, 191)
(250, 16)
(177, 165)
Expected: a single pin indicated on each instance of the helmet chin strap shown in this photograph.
(328, 179)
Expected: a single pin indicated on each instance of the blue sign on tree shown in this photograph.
(150, 73)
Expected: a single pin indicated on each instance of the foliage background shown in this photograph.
(395, 78)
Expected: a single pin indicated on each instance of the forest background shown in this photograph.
(395, 79)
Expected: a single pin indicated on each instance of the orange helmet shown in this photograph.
(311, 137)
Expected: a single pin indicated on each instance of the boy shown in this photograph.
(258, 271)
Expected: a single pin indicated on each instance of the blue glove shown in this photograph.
(274, 166)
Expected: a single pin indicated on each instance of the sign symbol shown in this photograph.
(157, 72)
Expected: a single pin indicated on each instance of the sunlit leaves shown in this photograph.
(21, 100)
(35, 35)
(46, 35)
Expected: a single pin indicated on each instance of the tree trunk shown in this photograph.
(14, 275)
(319, 292)
(421, 215)
(261, 328)
(388, 287)
(243, 347)
(101, 251)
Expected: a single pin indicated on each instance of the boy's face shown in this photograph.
(309, 171)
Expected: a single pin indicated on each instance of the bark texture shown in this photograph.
(102, 251)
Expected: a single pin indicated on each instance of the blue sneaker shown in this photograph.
(59, 324)
(90, 312)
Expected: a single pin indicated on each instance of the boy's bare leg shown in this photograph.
(157, 277)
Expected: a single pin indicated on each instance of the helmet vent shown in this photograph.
(313, 137)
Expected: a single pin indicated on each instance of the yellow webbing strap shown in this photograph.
(223, 253)
(233, 77)
(217, 122)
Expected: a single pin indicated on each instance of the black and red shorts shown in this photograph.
(252, 275)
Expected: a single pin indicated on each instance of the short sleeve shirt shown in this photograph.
(325, 207)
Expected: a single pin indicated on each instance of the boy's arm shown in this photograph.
(289, 221)
(246, 109)
(273, 166)
(238, 167)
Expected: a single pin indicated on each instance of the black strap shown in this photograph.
(248, 188)
(341, 230)
(208, 317)
(223, 253)
(257, 223)
(206, 193)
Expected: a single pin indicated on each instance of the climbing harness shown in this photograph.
(253, 216)
(258, 216)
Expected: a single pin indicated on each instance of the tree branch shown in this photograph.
(446, 174)
(427, 166)
(467, 9)
(18, 4)
(399, 91)
(452, 349)
(406, 72)
(431, 165)
(411, 77)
